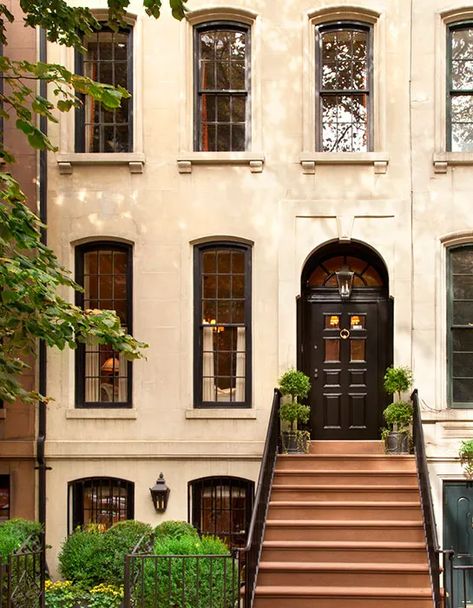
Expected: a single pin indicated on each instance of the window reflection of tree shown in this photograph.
(461, 87)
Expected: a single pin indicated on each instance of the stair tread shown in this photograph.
(335, 488)
(374, 523)
(345, 591)
(345, 472)
(400, 457)
(344, 566)
(358, 503)
(344, 544)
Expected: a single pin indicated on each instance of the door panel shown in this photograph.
(458, 535)
(342, 345)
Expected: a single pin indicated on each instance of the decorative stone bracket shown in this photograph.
(67, 162)
(254, 160)
(309, 160)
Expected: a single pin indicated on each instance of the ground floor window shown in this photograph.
(4, 497)
(100, 500)
(221, 506)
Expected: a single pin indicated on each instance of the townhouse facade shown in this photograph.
(289, 185)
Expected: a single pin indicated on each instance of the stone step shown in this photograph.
(345, 477)
(339, 462)
(344, 493)
(349, 574)
(341, 597)
(344, 551)
(291, 529)
(349, 511)
(346, 447)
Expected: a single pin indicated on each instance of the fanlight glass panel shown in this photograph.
(365, 275)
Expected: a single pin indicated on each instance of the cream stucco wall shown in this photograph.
(287, 210)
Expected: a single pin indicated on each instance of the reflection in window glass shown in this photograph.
(460, 315)
(332, 349)
(460, 77)
(357, 349)
(344, 88)
(223, 300)
(222, 88)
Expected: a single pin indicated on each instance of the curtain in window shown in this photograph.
(240, 365)
(208, 387)
(122, 382)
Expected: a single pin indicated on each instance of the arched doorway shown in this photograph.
(345, 339)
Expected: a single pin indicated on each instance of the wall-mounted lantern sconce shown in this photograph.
(345, 282)
(160, 494)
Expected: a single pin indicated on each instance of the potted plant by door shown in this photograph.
(296, 385)
(398, 415)
(466, 457)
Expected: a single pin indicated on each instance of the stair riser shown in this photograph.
(346, 534)
(293, 578)
(335, 464)
(358, 479)
(346, 494)
(341, 512)
(323, 554)
(346, 447)
(311, 602)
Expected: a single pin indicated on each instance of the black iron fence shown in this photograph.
(181, 581)
(22, 576)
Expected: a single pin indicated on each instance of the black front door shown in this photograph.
(458, 535)
(345, 355)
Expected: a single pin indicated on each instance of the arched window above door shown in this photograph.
(364, 274)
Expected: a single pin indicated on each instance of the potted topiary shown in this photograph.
(466, 457)
(398, 415)
(296, 385)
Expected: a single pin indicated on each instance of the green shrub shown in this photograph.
(398, 380)
(13, 534)
(294, 383)
(175, 529)
(466, 457)
(81, 558)
(399, 413)
(294, 412)
(190, 582)
(119, 540)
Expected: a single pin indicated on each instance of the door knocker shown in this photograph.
(344, 334)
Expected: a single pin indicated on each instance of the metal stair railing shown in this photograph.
(249, 556)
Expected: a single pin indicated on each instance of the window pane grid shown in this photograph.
(222, 90)
(344, 89)
(107, 61)
(103, 501)
(460, 128)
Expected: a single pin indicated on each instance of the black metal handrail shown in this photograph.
(249, 556)
(430, 526)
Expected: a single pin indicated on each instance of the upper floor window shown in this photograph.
(221, 506)
(460, 325)
(103, 376)
(343, 95)
(100, 500)
(222, 334)
(460, 88)
(108, 59)
(222, 84)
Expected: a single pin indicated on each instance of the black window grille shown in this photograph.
(344, 83)
(104, 376)
(4, 497)
(221, 506)
(460, 87)
(222, 337)
(460, 325)
(99, 500)
(222, 87)
(108, 60)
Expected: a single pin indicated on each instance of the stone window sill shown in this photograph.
(101, 414)
(443, 160)
(309, 160)
(254, 160)
(67, 162)
(220, 414)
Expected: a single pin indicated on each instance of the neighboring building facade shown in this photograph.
(273, 157)
(17, 420)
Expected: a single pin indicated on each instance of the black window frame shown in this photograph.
(195, 490)
(319, 92)
(79, 132)
(452, 326)
(215, 26)
(75, 498)
(198, 325)
(80, 250)
(450, 91)
(5, 484)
